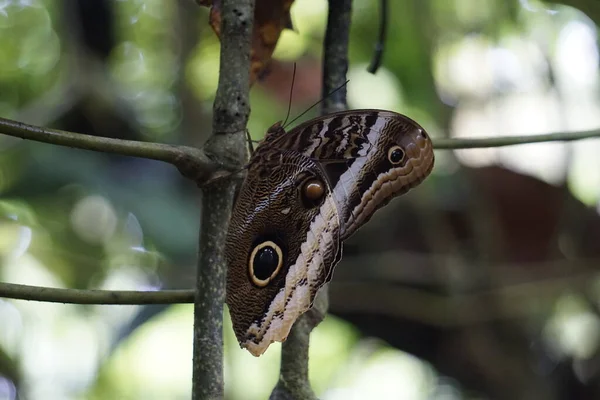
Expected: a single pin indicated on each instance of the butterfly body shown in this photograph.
(306, 191)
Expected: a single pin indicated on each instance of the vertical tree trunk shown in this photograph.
(227, 146)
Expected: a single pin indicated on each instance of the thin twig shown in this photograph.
(380, 45)
(499, 141)
(228, 146)
(192, 162)
(517, 300)
(83, 296)
(421, 271)
(198, 164)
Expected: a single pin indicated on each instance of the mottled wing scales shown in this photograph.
(377, 192)
(352, 147)
(349, 152)
(302, 282)
(269, 208)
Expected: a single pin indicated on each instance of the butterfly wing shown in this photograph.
(369, 156)
(281, 246)
(305, 191)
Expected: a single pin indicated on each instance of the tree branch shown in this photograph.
(228, 147)
(193, 163)
(81, 296)
(199, 166)
(500, 141)
(293, 378)
(461, 309)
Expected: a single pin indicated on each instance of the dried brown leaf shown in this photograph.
(271, 17)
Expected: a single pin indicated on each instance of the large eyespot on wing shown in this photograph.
(282, 244)
(265, 262)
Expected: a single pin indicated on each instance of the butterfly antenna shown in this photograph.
(318, 102)
(291, 94)
(250, 142)
(380, 45)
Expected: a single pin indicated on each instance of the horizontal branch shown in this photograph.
(192, 162)
(518, 299)
(499, 141)
(80, 296)
(196, 165)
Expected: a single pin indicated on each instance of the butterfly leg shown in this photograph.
(250, 141)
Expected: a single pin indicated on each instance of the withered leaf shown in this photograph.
(271, 17)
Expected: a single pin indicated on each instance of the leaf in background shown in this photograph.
(270, 18)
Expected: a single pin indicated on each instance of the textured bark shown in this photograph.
(335, 61)
(228, 148)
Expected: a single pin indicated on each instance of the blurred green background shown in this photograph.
(481, 284)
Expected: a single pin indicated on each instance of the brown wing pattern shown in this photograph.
(352, 147)
(305, 238)
(305, 191)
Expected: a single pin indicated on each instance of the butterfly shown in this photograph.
(304, 193)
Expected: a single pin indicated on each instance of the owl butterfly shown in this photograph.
(306, 191)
